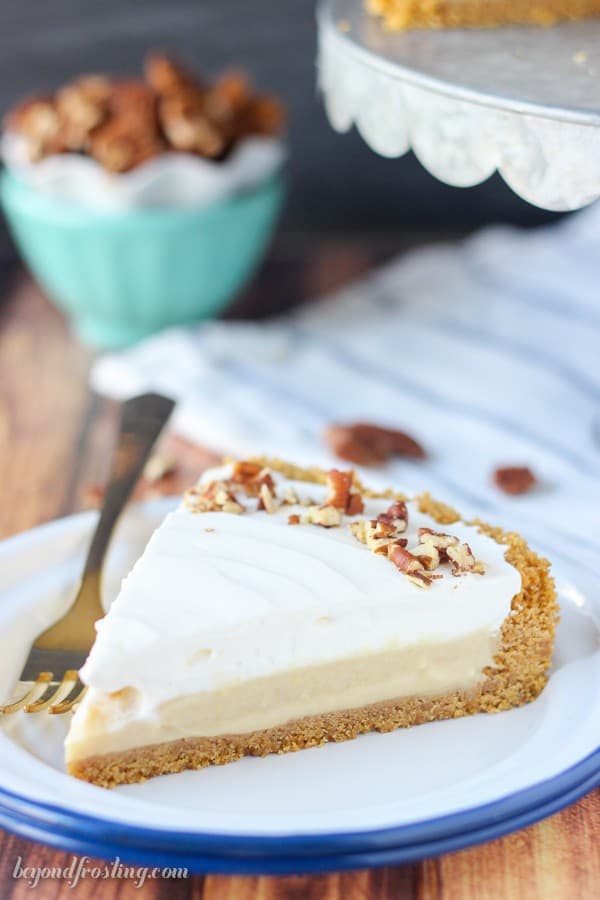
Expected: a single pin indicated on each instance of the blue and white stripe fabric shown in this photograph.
(487, 352)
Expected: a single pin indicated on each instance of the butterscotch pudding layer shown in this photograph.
(404, 14)
(265, 703)
(359, 639)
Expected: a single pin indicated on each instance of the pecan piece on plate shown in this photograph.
(514, 480)
(371, 445)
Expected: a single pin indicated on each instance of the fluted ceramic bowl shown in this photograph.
(121, 275)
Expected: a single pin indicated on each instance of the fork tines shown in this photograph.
(46, 694)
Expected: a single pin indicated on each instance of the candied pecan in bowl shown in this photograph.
(120, 146)
(82, 105)
(166, 76)
(135, 100)
(123, 123)
(515, 480)
(371, 445)
(38, 120)
(227, 98)
(188, 128)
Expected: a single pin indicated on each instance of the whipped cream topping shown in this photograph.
(219, 598)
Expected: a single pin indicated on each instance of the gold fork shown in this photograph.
(58, 653)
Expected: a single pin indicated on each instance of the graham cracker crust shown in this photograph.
(517, 676)
(404, 14)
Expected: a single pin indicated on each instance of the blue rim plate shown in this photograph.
(240, 855)
(534, 773)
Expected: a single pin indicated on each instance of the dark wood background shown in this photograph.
(55, 440)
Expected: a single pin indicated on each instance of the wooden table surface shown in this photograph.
(55, 439)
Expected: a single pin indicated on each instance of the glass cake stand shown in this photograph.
(521, 100)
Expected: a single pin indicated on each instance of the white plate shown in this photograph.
(376, 799)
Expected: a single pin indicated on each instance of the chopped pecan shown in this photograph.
(410, 565)
(217, 496)
(428, 555)
(403, 558)
(244, 471)
(342, 493)
(379, 536)
(382, 529)
(371, 445)
(339, 485)
(356, 503)
(291, 498)
(293, 519)
(376, 535)
(359, 530)
(439, 540)
(326, 516)
(463, 561)
(252, 477)
(396, 516)
(514, 479)
(267, 498)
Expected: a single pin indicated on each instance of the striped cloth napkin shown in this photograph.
(488, 353)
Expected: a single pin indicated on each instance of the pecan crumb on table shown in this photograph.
(371, 445)
(515, 480)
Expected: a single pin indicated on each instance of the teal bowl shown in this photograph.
(121, 276)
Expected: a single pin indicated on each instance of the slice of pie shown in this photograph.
(404, 14)
(280, 608)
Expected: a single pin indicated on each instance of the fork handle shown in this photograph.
(142, 420)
